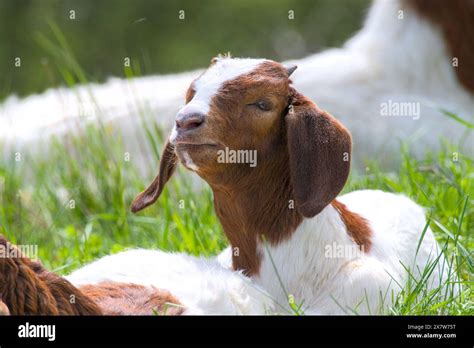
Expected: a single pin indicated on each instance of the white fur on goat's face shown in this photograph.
(223, 70)
(206, 86)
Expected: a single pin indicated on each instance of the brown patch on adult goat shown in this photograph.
(116, 298)
(455, 19)
(27, 288)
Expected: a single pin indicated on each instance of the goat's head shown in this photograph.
(249, 104)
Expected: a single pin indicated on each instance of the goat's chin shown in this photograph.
(197, 157)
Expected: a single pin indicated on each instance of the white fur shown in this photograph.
(208, 84)
(189, 162)
(363, 283)
(389, 59)
(202, 286)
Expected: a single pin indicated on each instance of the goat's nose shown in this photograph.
(189, 121)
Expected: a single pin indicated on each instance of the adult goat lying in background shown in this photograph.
(419, 52)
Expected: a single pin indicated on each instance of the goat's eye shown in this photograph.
(262, 105)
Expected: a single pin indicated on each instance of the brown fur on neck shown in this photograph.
(455, 19)
(260, 207)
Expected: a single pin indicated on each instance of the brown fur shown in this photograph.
(455, 19)
(303, 161)
(357, 227)
(167, 167)
(190, 93)
(27, 288)
(320, 149)
(125, 299)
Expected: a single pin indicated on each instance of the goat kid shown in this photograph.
(287, 230)
(285, 226)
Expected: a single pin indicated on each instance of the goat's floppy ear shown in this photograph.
(319, 149)
(168, 164)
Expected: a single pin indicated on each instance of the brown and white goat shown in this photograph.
(287, 230)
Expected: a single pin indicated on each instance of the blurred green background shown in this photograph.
(152, 34)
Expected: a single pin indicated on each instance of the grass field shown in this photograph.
(75, 207)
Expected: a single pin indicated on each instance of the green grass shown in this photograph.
(76, 206)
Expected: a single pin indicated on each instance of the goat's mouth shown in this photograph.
(185, 145)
